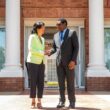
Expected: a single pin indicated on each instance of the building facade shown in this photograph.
(89, 18)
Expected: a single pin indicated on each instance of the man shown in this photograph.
(65, 43)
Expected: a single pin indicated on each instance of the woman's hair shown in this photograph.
(37, 25)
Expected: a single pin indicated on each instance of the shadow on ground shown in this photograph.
(77, 108)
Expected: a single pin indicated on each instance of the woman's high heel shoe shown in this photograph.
(39, 105)
(33, 105)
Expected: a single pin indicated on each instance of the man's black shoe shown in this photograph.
(72, 105)
(61, 104)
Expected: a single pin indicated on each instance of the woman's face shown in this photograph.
(41, 31)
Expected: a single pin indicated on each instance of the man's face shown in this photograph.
(60, 26)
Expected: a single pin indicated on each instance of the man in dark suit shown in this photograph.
(66, 45)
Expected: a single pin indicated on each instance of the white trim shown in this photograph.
(10, 73)
(98, 73)
(106, 26)
(107, 22)
(51, 22)
(24, 69)
(2, 26)
(79, 73)
(79, 81)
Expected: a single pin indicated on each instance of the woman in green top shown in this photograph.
(35, 62)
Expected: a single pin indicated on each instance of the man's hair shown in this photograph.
(63, 20)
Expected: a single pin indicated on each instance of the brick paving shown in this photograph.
(84, 100)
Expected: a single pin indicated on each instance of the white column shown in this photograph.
(12, 62)
(96, 66)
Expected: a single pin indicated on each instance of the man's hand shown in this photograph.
(71, 65)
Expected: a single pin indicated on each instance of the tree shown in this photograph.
(2, 57)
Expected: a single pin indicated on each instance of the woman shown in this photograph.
(35, 63)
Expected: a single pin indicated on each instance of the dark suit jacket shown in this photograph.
(68, 50)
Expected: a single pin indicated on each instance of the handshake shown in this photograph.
(48, 47)
(48, 52)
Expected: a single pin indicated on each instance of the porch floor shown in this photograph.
(84, 100)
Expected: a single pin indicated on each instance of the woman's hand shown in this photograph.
(47, 52)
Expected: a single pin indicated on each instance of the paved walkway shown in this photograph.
(85, 100)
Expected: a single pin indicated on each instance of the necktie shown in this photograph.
(61, 36)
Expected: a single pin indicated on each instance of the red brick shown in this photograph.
(98, 83)
(12, 84)
(42, 12)
(75, 12)
(2, 12)
(107, 12)
(2, 3)
(108, 3)
(55, 3)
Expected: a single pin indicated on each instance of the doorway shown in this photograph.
(50, 70)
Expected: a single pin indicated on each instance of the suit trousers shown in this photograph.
(36, 73)
(64, 74)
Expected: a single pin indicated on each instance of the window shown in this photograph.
(2, 47)
(107, 47)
